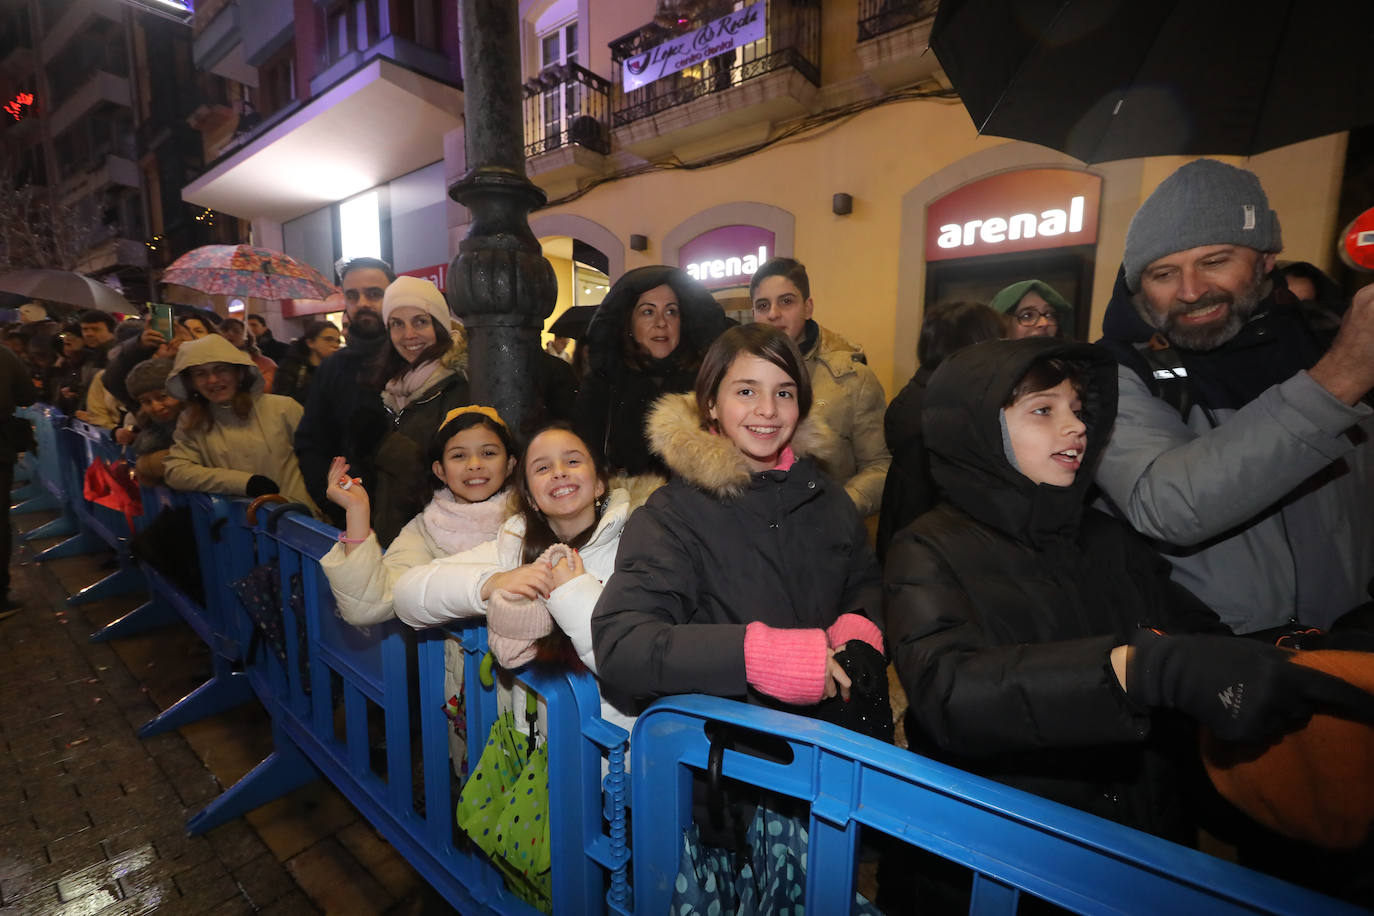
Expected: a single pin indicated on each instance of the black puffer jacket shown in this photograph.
(717, 548)
(343, 416)
(909, 490)
(617, 392)
(1004, 602)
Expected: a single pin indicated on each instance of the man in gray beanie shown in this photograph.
(1241, 443)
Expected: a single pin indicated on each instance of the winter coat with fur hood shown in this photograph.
(1005, 600)
(719, 547)
(618, 391)
(223, 457)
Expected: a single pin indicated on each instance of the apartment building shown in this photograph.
(105, 101)
(709, 134)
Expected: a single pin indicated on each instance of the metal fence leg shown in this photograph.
(57, 528)
(225, 690)
(149, 615)
(122, 581)
(83, 542)
(33, 502)
(284, 771)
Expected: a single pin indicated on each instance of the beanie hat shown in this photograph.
(1313, 785)
(1008, 299)
(419, 293)
(149, 375)
(1205, 202)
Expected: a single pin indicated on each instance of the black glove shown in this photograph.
(259, 485)
(1240, 689)
(868, 709)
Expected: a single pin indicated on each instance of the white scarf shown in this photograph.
(458, 526)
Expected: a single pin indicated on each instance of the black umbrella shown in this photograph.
(1104, 80)
(573, 322)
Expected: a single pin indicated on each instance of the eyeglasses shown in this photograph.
(202, 372)
(1029, 318)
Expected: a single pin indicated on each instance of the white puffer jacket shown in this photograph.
(450, 588)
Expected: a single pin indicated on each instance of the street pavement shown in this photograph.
(92, 817)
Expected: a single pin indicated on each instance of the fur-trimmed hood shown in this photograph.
(710, 461)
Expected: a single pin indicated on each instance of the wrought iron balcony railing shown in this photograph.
(567, 105)
(792, 38)
(878, 17)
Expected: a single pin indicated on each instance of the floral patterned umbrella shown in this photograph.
(242, 270)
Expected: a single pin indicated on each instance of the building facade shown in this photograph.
(707, 134)
(101, 129)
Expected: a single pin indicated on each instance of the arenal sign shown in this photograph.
(731, 31)
(438, 274)
(1014, 211)
(727, 256)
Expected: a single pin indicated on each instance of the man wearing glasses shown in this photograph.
(342, 415)
(1032, 308)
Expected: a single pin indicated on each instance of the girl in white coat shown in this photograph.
(472, 457)
(564, 498)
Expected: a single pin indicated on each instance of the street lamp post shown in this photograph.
(499, 284)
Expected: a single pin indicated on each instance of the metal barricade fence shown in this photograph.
(333, 684)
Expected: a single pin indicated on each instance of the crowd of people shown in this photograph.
(1072, 554)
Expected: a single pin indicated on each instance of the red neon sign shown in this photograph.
(19, 105)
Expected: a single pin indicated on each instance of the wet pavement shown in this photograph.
(92, 817)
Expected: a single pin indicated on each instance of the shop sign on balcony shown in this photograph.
(20, 105)
(727, 256)
(732, 31)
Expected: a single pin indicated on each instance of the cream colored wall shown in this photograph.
(563, 269)
(867, 269)
(839, 36)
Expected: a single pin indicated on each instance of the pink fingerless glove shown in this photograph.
(786, 664)
(854, 626)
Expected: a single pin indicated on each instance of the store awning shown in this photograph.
(378, 123)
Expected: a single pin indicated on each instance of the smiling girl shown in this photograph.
(750, 570)
(231, 438)
(554, 553)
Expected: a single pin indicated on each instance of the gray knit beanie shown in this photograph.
(149, 375)
(1205, 202)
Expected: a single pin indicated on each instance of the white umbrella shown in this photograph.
(65, 286)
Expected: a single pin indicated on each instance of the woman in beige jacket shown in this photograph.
(231, 439)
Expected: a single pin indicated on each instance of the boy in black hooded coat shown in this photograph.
(1018, 618)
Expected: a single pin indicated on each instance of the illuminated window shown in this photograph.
(360, 227)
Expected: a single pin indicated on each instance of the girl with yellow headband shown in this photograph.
(471, 456)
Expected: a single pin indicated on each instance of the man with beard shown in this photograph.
(342, 415)
(1241, 443)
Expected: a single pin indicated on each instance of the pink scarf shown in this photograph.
(458, 526)
(400, 391)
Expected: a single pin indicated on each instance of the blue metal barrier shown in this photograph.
(319, 699)
(98, 527)
(47, 490)
(1013, 842)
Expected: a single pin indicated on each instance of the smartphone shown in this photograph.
(161, 319)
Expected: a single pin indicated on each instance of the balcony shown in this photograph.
(304, 155)
(772, 79)
(567, 124)
(73, 22)
(101, 87)
(894, 41)
(101, 173)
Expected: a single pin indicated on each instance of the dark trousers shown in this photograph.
(6, 537)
